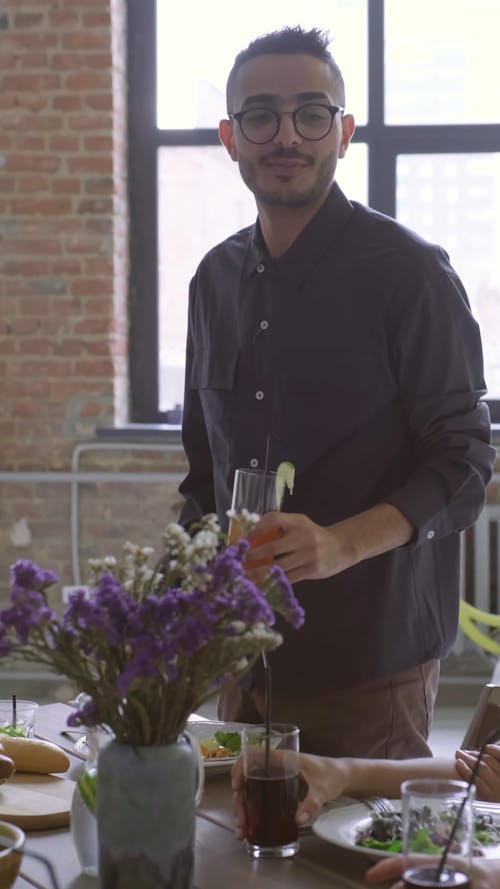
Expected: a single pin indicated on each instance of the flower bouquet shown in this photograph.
(148, 644)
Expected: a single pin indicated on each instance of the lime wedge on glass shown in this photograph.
(285, 477)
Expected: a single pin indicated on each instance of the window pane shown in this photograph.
(223, 29)
(454, 200)
(202, 200)
(441, 59)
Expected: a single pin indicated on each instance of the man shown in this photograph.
(330, 336)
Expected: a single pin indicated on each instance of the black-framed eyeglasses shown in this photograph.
(312, 122)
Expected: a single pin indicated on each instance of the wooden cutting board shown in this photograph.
(36, 802)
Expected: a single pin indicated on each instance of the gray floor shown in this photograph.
(448, 729)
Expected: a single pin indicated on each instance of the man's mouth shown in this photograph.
(286, 163)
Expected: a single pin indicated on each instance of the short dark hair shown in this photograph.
(288, 41)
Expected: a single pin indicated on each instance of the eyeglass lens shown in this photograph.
(312, 122)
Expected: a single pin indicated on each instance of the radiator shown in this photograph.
(480, 563)
(480, 574)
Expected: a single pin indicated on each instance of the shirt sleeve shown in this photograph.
(436, 350)
(198, 486)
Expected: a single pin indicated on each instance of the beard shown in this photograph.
(287, 192)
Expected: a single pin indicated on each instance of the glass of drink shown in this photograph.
(17, 718)
(255, 492)
(271, 772)
(437, 813)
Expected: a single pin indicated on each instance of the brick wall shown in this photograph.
(64, 231)
(63, 280)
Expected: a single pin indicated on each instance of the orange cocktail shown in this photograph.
(239, 528)
(255, 492)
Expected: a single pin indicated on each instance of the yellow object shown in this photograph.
(285, 477)
(469, 617)
(211, 749)
(33, 755)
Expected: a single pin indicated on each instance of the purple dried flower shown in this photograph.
(141, 666)
(29, 575)
(288, 606)
(146, 652)
(85, 715)
(29, 610)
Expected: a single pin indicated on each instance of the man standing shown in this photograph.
(346, 343)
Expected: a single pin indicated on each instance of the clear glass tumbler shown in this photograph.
(437, 815)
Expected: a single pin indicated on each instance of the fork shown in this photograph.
(380, 806)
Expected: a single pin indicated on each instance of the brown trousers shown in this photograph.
(387, 718)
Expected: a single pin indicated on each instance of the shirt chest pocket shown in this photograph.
(213, 375)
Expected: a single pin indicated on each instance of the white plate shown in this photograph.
(341, 824)
(202, 729)
(206, 729)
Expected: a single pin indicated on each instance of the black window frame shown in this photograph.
(385, 143)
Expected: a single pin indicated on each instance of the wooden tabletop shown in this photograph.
(220, 859)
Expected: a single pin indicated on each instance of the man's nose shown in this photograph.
(287, 134)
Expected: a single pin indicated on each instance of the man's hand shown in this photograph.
(307, 551)
(487, 780)
(303, 549)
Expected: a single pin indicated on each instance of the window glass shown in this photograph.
(441, 64)
(193, 62)
(201, 201)
(454, 200)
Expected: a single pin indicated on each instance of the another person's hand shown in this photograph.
(304, 550)
(322, 779)
(485, 873)
(487, 780)
(238, 786)
(387, 869)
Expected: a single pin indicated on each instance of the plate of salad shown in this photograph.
(355, 827)
(220, 742)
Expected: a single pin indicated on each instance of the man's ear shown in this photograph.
(226, 136)
(348, 127)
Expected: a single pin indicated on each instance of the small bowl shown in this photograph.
(10, 859)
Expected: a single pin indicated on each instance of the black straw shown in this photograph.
(14, 711)
(264, 477)
(495, 736)
(267, 705)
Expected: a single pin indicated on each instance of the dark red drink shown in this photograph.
(425, 878)
(271, 803)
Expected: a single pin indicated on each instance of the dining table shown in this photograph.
(220, 857)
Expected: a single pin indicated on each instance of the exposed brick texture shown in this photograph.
(63, 283)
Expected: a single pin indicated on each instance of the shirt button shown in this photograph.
(254, 462)
(261, 268)
(430, 535)
(259, 395)
(264, 325)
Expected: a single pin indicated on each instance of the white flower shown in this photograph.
(238, 626)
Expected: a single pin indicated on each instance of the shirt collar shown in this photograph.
(314, 239)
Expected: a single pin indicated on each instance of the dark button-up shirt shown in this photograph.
(355, 356)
